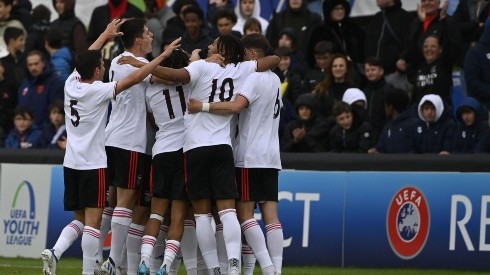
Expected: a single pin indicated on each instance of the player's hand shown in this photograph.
(194, 106)
(112, 28)
(171, 47)
(373, 150)
(62, 143)
(195, 55)
(444, 153)
(216, 58)
(130, 60)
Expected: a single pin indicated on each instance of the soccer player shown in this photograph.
(207, 145)
(257, 157)
(126, 140)
(167, 103)
(85, 162)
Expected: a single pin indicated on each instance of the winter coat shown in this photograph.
(302, 20)
(359, 138)
(381, 42)
(477, 68)
(436, 136)
(38, 93)
(394, 138)
(346, 36)
(33, 136)
(467, 137)
(317, 127)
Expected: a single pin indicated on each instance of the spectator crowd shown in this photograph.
(383, 87)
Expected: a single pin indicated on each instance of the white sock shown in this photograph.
(156, 259)
(206, 240)
(133, 246)
(171, 249)
(90, 244)
(275, 240)
(221, 249)
(188, 247)
(256, 240)
(201, 265)
(124, 259)
(232, 233)
(147, 244)
(105, 227)
(121, 219)
(174, 267)
(68, 235)
(248, 260)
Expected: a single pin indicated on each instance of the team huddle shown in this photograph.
(187, 141)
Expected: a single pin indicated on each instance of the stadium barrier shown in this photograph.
(425, 211)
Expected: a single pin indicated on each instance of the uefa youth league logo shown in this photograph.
(408, 222)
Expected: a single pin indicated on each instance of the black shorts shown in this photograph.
(168, 176)
(143, 194)
(257, 184)
(210, 173)
(84, 188)
(127, 169)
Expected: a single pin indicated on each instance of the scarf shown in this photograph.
(119, 10)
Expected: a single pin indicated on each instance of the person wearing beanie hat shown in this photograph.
(308, 133)
(434, 131)
(477, 68)
(472, 124)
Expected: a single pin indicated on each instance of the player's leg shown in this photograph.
(248, 258)
(188, 244)
(93, 189)
(175, 232)
(225, 192)
(250, 183)
(71, 231)
(220, 242)
(197, 162)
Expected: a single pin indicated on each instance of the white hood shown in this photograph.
(255, 14)
(352, 95)
(436, 101)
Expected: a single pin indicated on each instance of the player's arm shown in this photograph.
(110, 32)
(138, 76)
(163, 73)
(267, 63)
(220, 108)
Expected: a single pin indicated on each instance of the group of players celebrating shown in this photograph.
(158, 192)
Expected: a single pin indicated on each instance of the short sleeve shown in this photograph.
(248, 89)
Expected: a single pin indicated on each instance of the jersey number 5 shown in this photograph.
(74, 113)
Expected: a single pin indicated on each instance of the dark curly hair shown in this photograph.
(231, 48)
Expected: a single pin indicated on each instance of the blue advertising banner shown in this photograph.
(437, 220)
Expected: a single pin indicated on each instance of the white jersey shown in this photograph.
(258, 124)
(127, 124)
(86, 108)
(210, 82)
(168, 105)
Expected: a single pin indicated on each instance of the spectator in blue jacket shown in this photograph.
(54, 132)
(434, 131)
(25, 134)
(40, 88)
(61, 56)
(477, 68)
(394, 138)
(472, 124)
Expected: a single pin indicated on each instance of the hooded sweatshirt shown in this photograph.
(255, 14)
(432, 137)
(316, 138)
(467, 136)
(73, 31)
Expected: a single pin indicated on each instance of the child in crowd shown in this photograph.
(25, 134)
(252, 25)
(323, 51)
(308, 133)
(375, 91)
(223, 22)
(472, 124)
(288, 38)
(351, 134)
(54, 132)
(434, 131)
(394, 139)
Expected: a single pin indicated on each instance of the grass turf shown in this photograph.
(72, 266)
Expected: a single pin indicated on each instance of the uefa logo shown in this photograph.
(408, 222)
